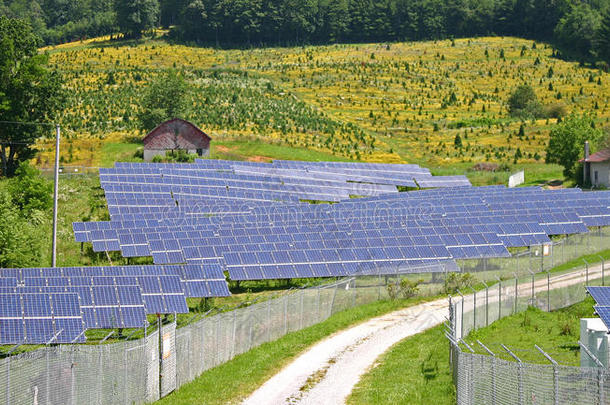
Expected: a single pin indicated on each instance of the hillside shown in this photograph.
(377, 102)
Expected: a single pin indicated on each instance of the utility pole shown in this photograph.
(55, 191)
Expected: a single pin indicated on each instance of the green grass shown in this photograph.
(535, 173)
(118, 152)
(593, 258)
(243, 149)
(556, 332)
(415, 371)
(234, 380)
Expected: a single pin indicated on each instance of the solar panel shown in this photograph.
(604, 313)
(38, 318)
(601, 295)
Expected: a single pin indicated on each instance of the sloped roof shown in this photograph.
(601, 156)
(176, 134)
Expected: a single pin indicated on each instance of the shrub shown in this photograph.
(458, 281)
(524, 103)
(404, 288)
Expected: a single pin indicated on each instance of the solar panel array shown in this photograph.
(106, 297)
(247, 218)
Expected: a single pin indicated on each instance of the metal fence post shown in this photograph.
(286, 314)
(474, 309)
(586, 272)
(462, 316)
(471, 376)
(353, 293)
(499, 297)
(233, 337)
(533, 295)
(493, 371)
(332, 302)
(516, 288)
(301, 317)
(268, 320)
(548, 292)
(520, 373)
(8, 381)
(217, 339)
(602, 259)
(318, 305)
(555, 375)
(486, 304)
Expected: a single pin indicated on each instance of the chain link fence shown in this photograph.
(129, 371)
(488, 379)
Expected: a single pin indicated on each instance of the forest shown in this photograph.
(580, 30)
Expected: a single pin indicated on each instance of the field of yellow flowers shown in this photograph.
(398, 102)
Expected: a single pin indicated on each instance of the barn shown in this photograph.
(174, 135)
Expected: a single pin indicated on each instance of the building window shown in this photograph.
(596, 178)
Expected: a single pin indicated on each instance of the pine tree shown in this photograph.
(603, 37)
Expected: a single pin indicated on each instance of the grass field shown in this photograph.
(400, 102)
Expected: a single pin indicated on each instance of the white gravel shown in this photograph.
(327, 372)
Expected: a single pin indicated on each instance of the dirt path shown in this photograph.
(327, 372)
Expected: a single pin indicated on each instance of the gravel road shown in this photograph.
(328, 371)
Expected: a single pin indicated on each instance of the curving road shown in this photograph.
(328, 371)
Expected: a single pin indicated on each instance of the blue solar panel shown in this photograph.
(38, 318)
(601, 295)
(604, 313)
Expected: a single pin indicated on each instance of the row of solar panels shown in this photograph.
(38, 305)
(463, 222)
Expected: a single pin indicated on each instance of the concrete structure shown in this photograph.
(596, 167)
(174, 135)
(594, 335)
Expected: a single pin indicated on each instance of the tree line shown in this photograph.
(580, 29)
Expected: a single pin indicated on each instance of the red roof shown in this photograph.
(601, 156)
(176, 134)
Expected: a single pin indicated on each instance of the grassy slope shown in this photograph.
(402, 377)
(234, 380)
(393, 93)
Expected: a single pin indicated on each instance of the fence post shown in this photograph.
(602, 259)
(332, 302)
(268, 320)
(8, 381)
(474, 309)
(48, 375)
(520, 372)
(318, 305)
(548, 292)
(461, 317)
(301, 303)
(493, 371)
(353, 293)
(555, 374)
(471, 376)
(533, 294)
(233, 337)
(286, 313)
(499, 297)
(586, 272)
(218, 338)
(486, 303)
(516, 288)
